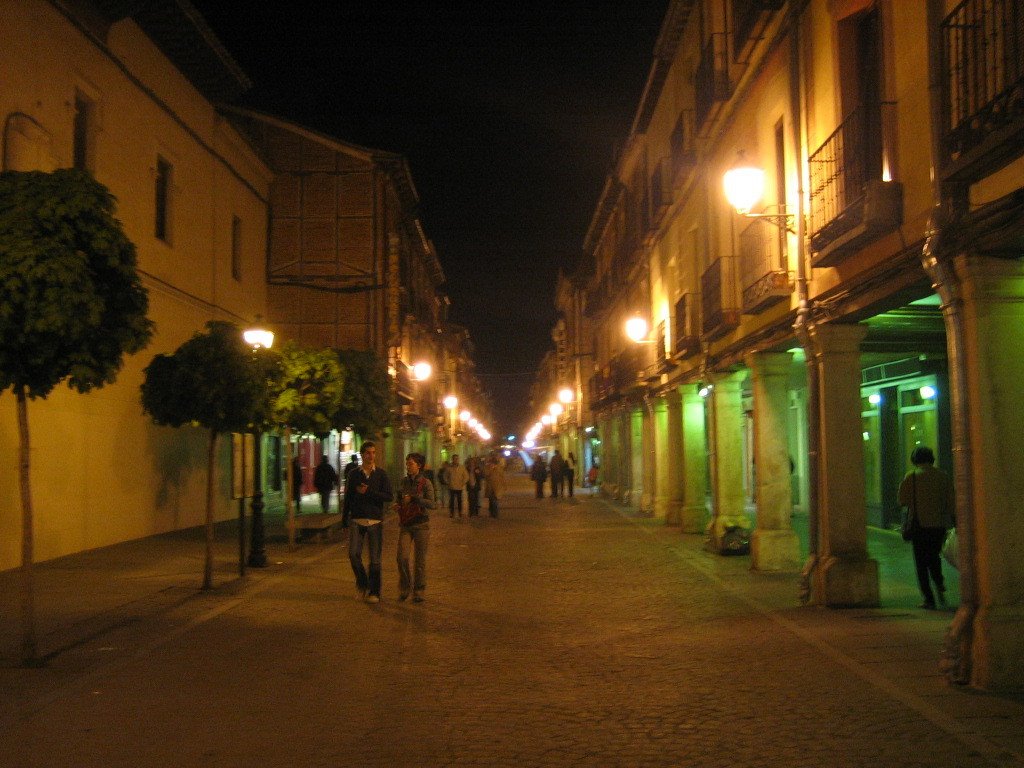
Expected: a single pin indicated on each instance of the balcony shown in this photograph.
(721, 315)
(982, 87)
(711, 79)
(682, 147)
(749, 18)
(661, 193)
(764, 277)
(852, 200)
(686, 335)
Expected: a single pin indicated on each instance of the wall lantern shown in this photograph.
(465, 415)
(744, 187)
(451, 402)
(422, 371)
(636, 329)
(555, 409)
(565, 395)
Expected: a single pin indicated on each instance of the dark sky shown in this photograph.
(508, 112)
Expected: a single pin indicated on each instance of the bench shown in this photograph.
(322, 523)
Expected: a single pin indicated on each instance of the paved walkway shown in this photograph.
(559, 634)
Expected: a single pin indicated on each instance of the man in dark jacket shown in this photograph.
(325, 478)
(371, 490)
(557, 468)
(539, 473)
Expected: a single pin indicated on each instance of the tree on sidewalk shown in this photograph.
(213, 380)
(309, 392)
(367, 402)
(71, 307)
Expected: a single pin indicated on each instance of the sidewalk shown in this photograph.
(565, 632)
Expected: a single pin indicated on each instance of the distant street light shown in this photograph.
(565, 395)
(257, 338)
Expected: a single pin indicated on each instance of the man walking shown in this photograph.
(557, 468)
(325, 478)
(371, 490)
(457, 479)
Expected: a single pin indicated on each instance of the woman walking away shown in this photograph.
(569, 473)
(927, 493)
(415, 497)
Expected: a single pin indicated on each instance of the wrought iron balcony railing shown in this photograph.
(983, 88)
(852, 196)
(721, 315)
(764, 274)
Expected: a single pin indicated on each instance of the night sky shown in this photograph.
(509, 114)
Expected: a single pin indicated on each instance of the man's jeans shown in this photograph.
(415, 537)
(454, 501)
(375, 536)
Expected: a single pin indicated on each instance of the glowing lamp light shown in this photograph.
(473, 422)
(528, 444)
(705, 390)
(636, 328)
(259, 338)
(565, 395)
(744, 186)
(465, 416)
(451, 402)
(545, 419)
(874, 398)
(422, 371)
(555, 409)
(927, 392)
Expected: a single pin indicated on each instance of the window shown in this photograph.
(164, 177)
(83, 130)
(236, 248)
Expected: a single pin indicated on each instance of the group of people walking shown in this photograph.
(369, 493)
(477, 477)
(561, 471)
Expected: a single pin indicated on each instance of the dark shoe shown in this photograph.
(417, 598)
(403, 596)
(942, 597)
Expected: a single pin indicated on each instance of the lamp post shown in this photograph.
(257, 338)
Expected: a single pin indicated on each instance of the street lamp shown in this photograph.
(422, 370)
(636, 330)
(744, 187)
(257, 338)
(565, 395)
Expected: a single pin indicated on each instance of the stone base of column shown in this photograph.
(643, 503)
(774, 551)
(729, 535)
(671, 511)
(997, 647)
(843, 583)
(693, 519)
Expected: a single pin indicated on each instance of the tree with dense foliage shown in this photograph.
(309, 393)
(71, 307)
(215, 381)
(367, 401)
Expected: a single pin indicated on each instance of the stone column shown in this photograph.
(693, 461)
(845, 576)
(662, 457)
(728, 508)
(774, 545)
(993, 317)
(671, 468)
(635, 426)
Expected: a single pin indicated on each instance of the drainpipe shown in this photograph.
(804, 320)
(938, 262)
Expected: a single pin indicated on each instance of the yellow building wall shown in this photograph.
(101, 471)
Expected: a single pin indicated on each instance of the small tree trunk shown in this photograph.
(29, 651)
(289, 503)
(211, 461)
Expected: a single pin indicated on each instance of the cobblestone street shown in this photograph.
(564, 633)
